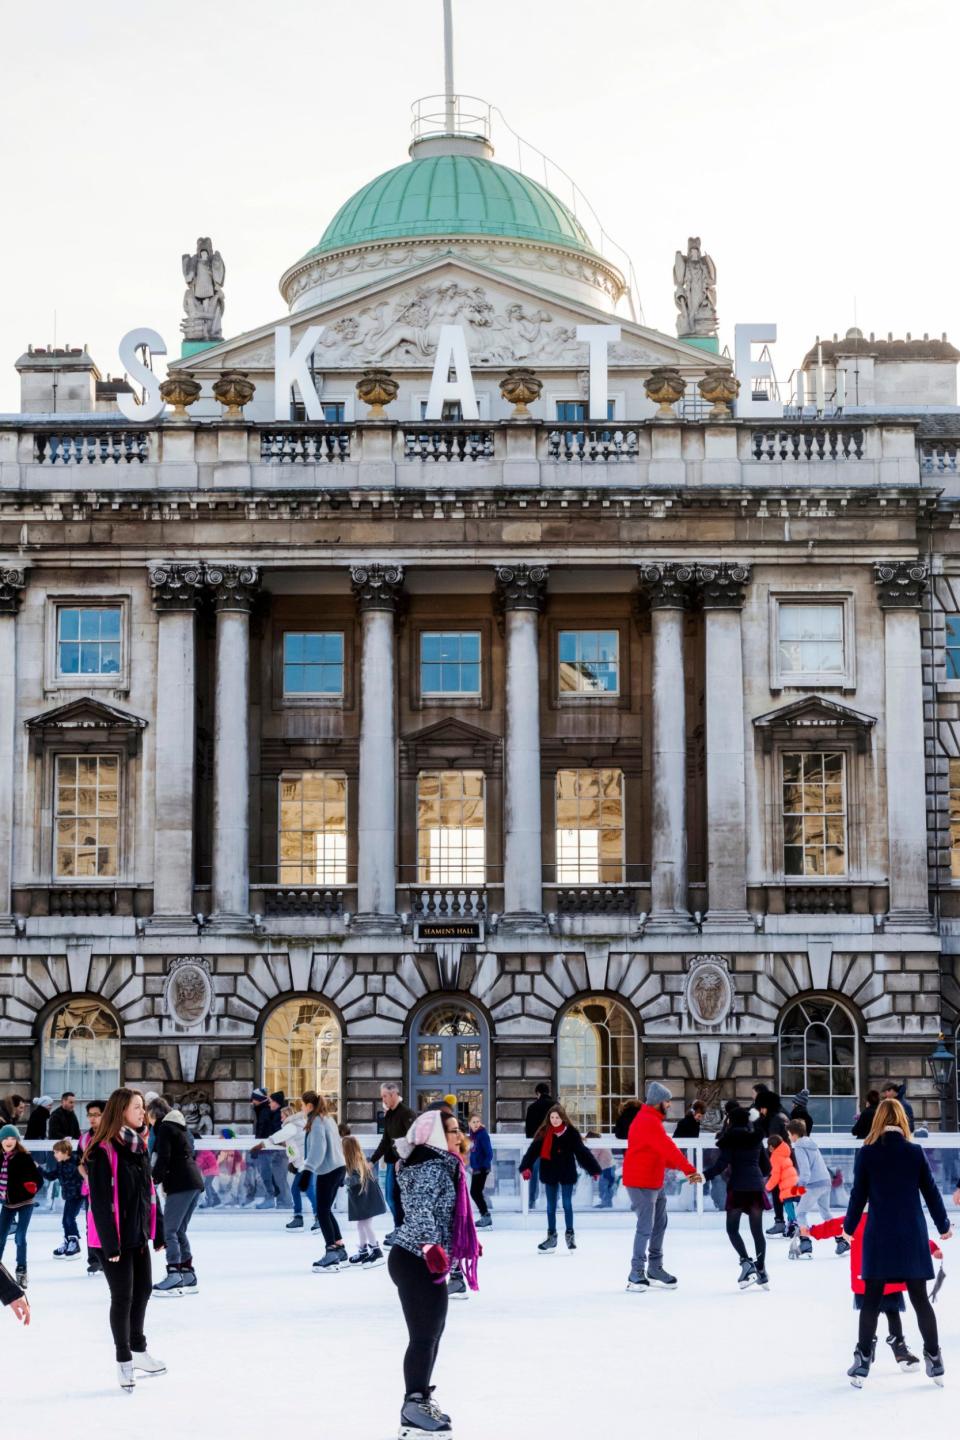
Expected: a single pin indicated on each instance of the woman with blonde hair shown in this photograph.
(323, 1159)
(892, 1175)
(364, 1203)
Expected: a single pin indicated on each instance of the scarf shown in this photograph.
(464, 1245)
(552, 1131)
(132, 1140)
(4, 1169)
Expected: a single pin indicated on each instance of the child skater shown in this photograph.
(66, 1171)
(814, 1178)
(19, 1182)
(785, 1180)
(893, 1306)
(364, 1202)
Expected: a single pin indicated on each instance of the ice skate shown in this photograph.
(843, 1246)
(860, 1368)
(125, 1375)
(69, 1250)
(373, 1258)
(485, 1222)
(794, 1251)
(790, 1230)
(571, 1240)
(456, 1286)
(748, 1274)
(549, 1246)
(763, 1279)
(934, 1366)
(637, 1282)
(147, 1365)
(661, 1279)
(269, 1204)
(188, 1277)
(389, 1238)
(902, 1354)
(22, 1277)
(335, 1259)
(171, 1286)
(295, 1224)
(420, 1416)
(357, 1260)
(777, 1228)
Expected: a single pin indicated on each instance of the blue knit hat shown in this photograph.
(9, 1132)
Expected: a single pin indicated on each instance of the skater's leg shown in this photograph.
(424, 1306)
(174, 1229)
(643, 1204)
(759, 1238)
(659, 1228)
(119, 1275)
(790, 1211)
(894, 1324)
(477, 1182)
(142, 1287)
(534, 1183)
(366, 1235)
(566, 1194)
(733, 1232)
(870, 1313)
(70, 1211)
(551, 1194)
(777, 1206)
(24, 1215)
(926, 1319)
(823, 1201)
(327, 1186)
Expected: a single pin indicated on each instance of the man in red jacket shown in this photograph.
(650, 1153)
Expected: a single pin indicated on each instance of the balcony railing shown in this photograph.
(439, 904)
(941, 457)
(448, 443)
(808, 442)
(594, 445)
(304, 445)
(77, 901)
(91, 447)
(595, 900)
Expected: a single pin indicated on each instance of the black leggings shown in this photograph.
(326, 1192)
(917, 1295)
(130, 1280)
(755, 1217)
(424, 1304)
(477, 1182)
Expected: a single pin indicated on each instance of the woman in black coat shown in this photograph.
(178, 1172)
(559, 1147)
(891, 1175)
(741, 1147)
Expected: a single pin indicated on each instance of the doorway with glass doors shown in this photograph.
(449, 1056)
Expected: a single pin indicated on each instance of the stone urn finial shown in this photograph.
(180, 390)
(665, 387)
(519, 387)
(377, 388)
(234, 390)
(719, 388)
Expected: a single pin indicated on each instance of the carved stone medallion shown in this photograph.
(188, 992)
(708, 993)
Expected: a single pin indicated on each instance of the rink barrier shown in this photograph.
(236, 1186)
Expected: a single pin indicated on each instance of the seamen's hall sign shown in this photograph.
(452, 380)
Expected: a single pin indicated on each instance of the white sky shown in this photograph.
(810, 145)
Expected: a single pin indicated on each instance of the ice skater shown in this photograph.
(65, 1170)
(176, 1170)
(558, 1146)
(891, 1175)
(814, 1180)
(437, 1230)
(481, 1163)
(323, 1159)
(784, 1181)
(364, 1203)
(650, 1153)
(397, 1119)
(741, 1147)
(123, 1223)
(20, 1182)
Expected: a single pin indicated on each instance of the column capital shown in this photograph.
(175, 585)
(722, 585)
(521, 587)
(377, 587)
(901, 584)
(668, 584)
(233, 587)
(12, 585)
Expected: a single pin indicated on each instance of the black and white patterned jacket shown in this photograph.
(428, 1192)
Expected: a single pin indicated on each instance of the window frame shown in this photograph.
(580, 881)
(832, 1003)
(846, 680)
(824, 876)
(476, 884)
(309, 625)
(312, 697)
(304, 998)
(97, 881)
(288, 774)
(57, 1009)
(479, 624)
(951, 791)
(588, 697)
(54, 681)
(570, 1091)
(454, 697)
(950, 684)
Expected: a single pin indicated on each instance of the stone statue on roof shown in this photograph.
(695, 292)
(203, 301)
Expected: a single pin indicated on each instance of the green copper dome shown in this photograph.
(453, 195)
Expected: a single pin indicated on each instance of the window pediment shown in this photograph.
(86, 721)
(812, 719)
(450, 744)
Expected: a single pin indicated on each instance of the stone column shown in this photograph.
(378, 590)
(176, 590)
(721, 590)
(12, 584)
(669, 587)
(522, 593)
(234, 589)
(900, 589)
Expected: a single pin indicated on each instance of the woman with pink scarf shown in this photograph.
(437, 1230)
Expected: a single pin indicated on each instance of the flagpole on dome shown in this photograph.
(449, 97)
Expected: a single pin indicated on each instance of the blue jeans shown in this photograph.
(607, 1187)
(566, 1192)
(71, 1209)
(22, 1217)
(391, 1193)
(296, 1194)
(534, 1183)
(269, 1163)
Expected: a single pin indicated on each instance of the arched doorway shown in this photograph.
(302, 1049)
(449, 1056)
(818, 1052)
(80, 1050)
(596, 1061)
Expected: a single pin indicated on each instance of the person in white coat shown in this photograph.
(289, 1139)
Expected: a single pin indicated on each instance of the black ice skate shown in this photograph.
(357, 1260)
(934, 1366)
(172, 1286)
(485, 1222)
(860, 1368)
(421, 1416)
(295, 1224)
(763, 1279)
(549, 1246)
(373, 1258)
(748, 1274)
(638, 1281)
(843, 1246)
(457, 1286)
(901, 1353)
(571, 1240)
(661, 1278)
(22, 1277)
(333, 1261)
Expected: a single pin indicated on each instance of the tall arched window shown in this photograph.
(301, 1050)
(818, 1052)
(81, 1051)
(596, 1062)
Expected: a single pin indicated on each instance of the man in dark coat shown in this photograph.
(535, 1115)
(689, 1127)
(861, 1126)
(893, 1091)
(771, 1121)
(64, 1124)
(267, 1120)
(397, 1119)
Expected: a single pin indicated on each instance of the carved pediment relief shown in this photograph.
(811, 718)
(84, 721)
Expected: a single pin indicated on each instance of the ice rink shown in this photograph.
(549, 1347)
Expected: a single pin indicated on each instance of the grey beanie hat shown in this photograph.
(658, 1094)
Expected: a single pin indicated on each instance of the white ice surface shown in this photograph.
(550, 1347)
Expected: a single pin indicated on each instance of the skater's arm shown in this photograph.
(315, 1147)
(425, 1195)
(586, 1157)
(531, 1156)
(673, 1156)
(826, 1230)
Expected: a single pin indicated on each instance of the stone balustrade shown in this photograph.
(91, 447)
(808, 443)
(451, 443)
(299, 445)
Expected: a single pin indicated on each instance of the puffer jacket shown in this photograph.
(651, 1152)
(290, 1138)
(23, 1179)
(174, 1166)
(812, 1170)
(783, 1173)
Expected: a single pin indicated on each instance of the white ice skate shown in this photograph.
(125, 1375)
(147, 1365)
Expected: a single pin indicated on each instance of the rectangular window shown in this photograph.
(451, 838)
(313, 829)
(589, 662)
(574, 412)
(452, 410)
(86, 817)
(312, 662)
(589, 827)
(810, 642)
(88, 640)
(450, 662)
(814, 814)
(953, 646)
(334, 411)
(955, 819)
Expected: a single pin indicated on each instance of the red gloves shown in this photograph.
(436, 1258)
(30, 1187)
(525, 1174)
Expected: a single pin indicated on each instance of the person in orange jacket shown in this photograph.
(650, 1154)
(784, 1179)
(893, 1306)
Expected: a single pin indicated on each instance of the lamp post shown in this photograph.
(940, 1066)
